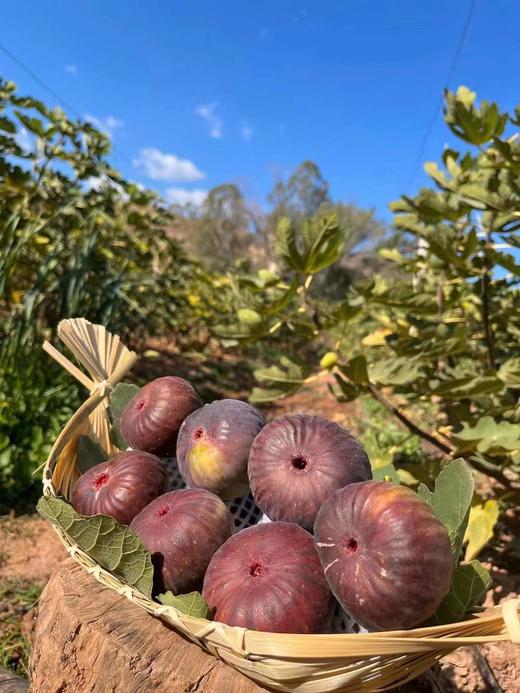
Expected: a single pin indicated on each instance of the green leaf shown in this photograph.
(394, 371)
(347, 391)
(325, 238)
(89, 454)
(509, 372)
(488, 436)
(286, 247)
(468, 386)
(112, 545)
(34, 125)
(469, 584)
(118, 400)
(356, 370)
(451, 501)
(192, 604)
(481, 525)
(7, 125)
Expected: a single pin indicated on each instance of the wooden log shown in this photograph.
(11, 683)
(90, 639)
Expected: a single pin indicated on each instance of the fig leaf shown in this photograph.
(469, 583)
(112, 545)
(89, 454)
(451, 501)
(192, 603)
(118, 400)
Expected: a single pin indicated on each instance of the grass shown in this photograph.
(16, 599)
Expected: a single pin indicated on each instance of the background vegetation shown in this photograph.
(419, 322)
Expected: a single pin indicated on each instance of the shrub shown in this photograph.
(437, 346)
(76, 240)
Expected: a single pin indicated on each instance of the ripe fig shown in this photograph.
(386, 555)
(268, 577)
(297, 461)
(182, 530)
(121, 486)
(152, 418)
(213, 446)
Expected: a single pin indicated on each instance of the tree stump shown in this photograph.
(11, 683)
(90, 639)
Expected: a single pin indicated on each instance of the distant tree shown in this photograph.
(220, 232)
(305, 191)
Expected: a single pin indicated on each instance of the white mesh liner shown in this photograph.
(246, 514)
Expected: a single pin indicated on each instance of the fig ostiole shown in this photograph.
(182, 530)
(297, 461)
(152, 418)
(120, 487)
(386, 555)
(269, 578)
(213, 446)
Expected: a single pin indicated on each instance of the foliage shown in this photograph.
(111, 544)
(469, 583)
(119, 398)
(115, 547)
(192, 604)
(76, 239)
(436, 343)
(451, 501)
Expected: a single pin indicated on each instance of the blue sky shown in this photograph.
(199, 93)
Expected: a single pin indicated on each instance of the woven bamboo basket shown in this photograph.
(280, 662)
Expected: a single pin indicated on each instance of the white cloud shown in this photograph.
(246, 131)
(180, 196)
(109, 124)
(71, 70)
(208, 113)
(157, 165)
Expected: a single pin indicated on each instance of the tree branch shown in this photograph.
(410, 425)
(486, 300)
(495, 474)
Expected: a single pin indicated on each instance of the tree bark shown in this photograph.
(90, 639)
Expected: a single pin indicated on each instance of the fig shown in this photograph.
(121, 486)
(297, 461)
(182, 530)
(269, 578)
(386, 555)
(213, 446)
(152, 418)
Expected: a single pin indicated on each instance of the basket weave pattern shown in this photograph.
(283, 662)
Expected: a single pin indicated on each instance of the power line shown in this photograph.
(438, 106)
(55, 95)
